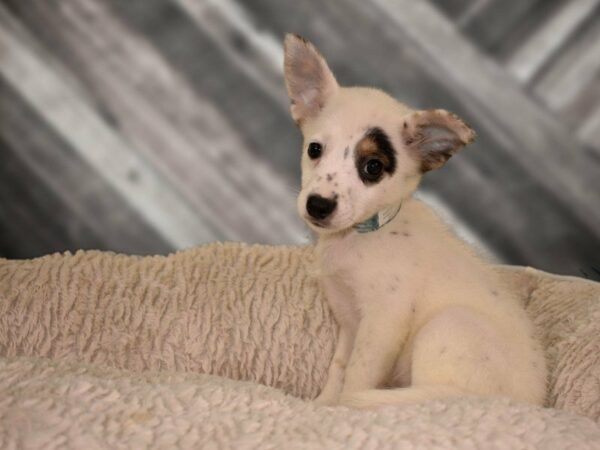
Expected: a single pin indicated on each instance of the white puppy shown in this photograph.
(417, 309)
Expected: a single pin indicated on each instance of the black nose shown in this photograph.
(320, 207)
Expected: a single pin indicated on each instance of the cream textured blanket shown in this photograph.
(99, 350)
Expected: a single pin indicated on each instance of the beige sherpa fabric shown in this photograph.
(242, 312)
(99, 350)
(566, 311)
(45, 405)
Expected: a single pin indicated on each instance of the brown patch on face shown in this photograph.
(433, 136)
(374, 146)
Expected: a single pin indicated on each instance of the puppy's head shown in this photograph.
(363, 151)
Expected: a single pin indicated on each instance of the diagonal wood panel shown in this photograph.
(530, 57)
(193, 91)
(158, 113)
(43, 86)
(261, 122)
(22, 231)
(62, 194)
(255, 52)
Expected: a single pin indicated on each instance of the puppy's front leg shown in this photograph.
(378, 342)
(335, 377)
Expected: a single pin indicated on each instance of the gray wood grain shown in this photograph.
(32, 216)
(544, 43)
(46, 87)
(454, 9)
(65, 194)
(589, 131)
(262, 122)
(571, 75)
(488, 22)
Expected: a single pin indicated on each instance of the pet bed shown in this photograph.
(224, 345)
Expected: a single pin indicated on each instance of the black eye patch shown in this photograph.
(374, 156)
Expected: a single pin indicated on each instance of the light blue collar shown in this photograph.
(378, 220)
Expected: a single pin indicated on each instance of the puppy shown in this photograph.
(417, 310)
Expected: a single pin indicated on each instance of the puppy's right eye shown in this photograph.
(314, 150)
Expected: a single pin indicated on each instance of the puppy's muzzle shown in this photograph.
(320, 207)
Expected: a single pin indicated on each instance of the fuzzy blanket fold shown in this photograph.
(99, 350)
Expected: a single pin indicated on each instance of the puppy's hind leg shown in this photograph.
(457, 353)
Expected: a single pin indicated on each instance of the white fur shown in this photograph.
(417, 309)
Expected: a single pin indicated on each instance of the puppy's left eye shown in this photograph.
(373, 169)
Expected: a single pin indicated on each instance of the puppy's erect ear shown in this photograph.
(308, 79)
(433, 136)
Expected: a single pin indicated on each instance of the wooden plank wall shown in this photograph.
(146, 126)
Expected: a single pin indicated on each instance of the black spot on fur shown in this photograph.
(346, 152)
(406, 234)
(395, 233)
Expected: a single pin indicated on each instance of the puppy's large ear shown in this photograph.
(308, 79)
(433, 136)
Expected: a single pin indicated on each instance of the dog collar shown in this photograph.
(378, 220)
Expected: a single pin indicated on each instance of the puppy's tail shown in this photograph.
(403, 396)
